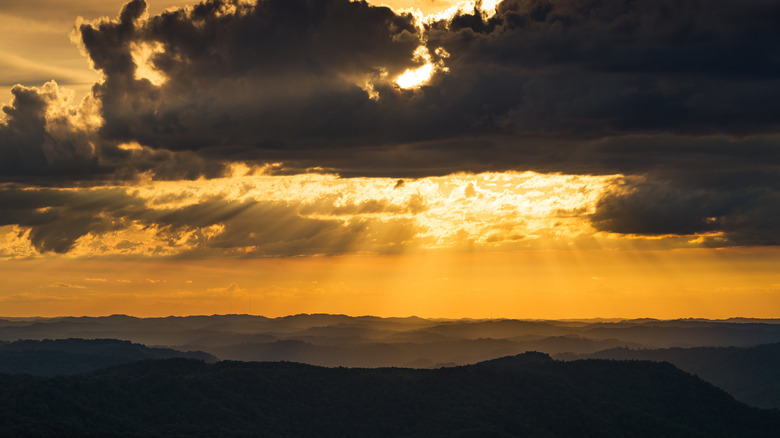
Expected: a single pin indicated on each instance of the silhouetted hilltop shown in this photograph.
(71, 356)
(751, 375)
(528, 395)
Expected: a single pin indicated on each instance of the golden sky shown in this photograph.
(180, 185)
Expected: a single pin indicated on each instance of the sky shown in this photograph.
(519, 159)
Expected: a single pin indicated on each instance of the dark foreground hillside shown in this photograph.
(528, 395)
(750, 374)
(71, 356)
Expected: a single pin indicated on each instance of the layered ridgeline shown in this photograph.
(338, 340)
(750, 374)
(526, 395)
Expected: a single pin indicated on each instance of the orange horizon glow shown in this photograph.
(698, 283)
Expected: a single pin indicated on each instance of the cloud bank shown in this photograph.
(681, 98)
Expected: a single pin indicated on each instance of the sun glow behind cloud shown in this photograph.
(412, 78)
(142, 56)
(429, 11)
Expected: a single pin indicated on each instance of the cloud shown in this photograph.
(682, 98)
(271, 216)
(269, 228)
(58, 219)
(42, 137)
(273, 75)
(232, 288)
(600, 68)
(744, 212)
(310, 83)
(67, 285)
(47, 140)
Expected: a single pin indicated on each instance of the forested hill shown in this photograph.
(751, 374)
(528, 395)
(71, 356)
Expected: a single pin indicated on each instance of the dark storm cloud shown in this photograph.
(743, 206)
(44, 141)
(715, 37)
(687, 185)
(280, 74)
(32, 144)
(57, 218)
(600, 67)
(287, 80)
(683, 95)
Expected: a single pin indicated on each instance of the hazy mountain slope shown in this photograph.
(173, 331)
(71, 356)
(528, 395)
(688, 333)
(349, 353)
(751, 375)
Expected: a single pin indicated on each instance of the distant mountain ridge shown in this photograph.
(368, 341)
(224, 335)
(529, 395)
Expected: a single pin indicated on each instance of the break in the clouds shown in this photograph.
(680, 97)
(265, 215)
